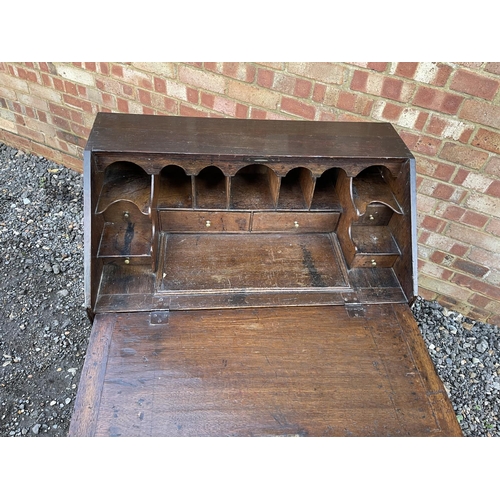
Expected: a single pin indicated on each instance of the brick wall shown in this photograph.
(447, 113)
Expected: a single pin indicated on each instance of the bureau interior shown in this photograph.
(256, 231)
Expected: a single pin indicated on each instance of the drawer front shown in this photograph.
(200, 222)
(373, 260)
(298, 222)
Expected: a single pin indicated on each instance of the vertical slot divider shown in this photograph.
(274, 185)
(155, 186)
(194, 202)
(228, 192)
(308, 184)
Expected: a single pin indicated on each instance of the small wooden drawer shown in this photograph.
(300, 222)
(198, 221)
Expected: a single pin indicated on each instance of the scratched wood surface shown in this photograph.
(246, 261)
(303, 371)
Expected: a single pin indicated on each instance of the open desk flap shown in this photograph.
(287, 371)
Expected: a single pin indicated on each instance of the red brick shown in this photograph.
(437, 100)
(147, 110)
(297, 108)
(91, 66)
(392, 88)
(42, 116)
(437, 257)
(493, 227)
(459, 250)
(494, 189)
(104, 68)
(488, 140)
(71, 138)
(476, 285)
(46, 80)
(117, 70)
(58, 84)
(433, 224)
(444, 171)
(474, 219)
(359, 81)
(377, 66)
(463, 155)
(453, 212)
(122, 105)
(170, 105)
(319, 92)
(442, 75)
(493, 167)
(78, 103)
(189, 111)
(160, 85)
(241, 111)
(460, 176)
(493, 67)
(55, 109)
(127, 90)
(144, 97)
(211, 66)
(192, 95)
(481, 112)
(443, 191)
(406, 69)
(474, 84)
(302, 88)
(240, 71)
(207, 100)
(258, 114)
(478, 300)
(70, 88)
(421, 120)
(391, 111)
(421, 143)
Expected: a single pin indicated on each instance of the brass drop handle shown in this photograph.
(208, 223)
(296, 224)
(371, 217)
(374, 263)
(126, 215)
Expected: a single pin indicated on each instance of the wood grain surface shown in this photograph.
(303, 371)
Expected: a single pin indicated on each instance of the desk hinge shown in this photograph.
(159, 317)
(161, 311)
(354, 307)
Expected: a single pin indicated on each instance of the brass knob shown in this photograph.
(296, 224)
(126, 215)
(374, 263)
(208, 223)
(127, 261)
(371, 217)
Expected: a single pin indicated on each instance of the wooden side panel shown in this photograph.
(88, 398)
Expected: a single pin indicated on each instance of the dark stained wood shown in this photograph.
(203, 221)
(211, 189)
(252, 278)
(88, 398)
(250, 139)
(199, 262)
(128, 182)
(297, 222)
(313, 371)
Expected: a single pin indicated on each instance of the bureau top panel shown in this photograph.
(229, 138)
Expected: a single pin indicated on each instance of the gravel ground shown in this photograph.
(44, 328)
